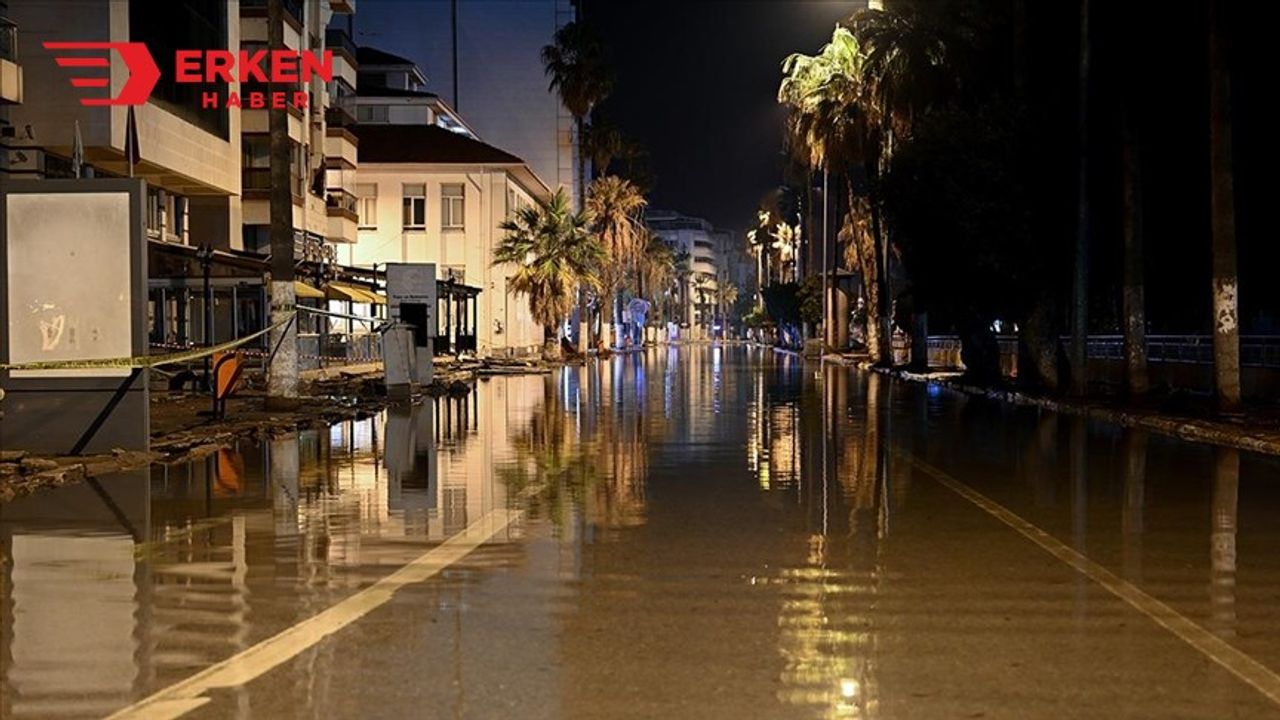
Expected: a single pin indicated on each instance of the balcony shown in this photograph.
(339, 201)
(343, 7)
(340, 206)
(337, 40)
(339, 116)
(293, 12)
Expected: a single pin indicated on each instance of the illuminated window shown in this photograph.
(453, 207)
(415, 207)
(367, 204)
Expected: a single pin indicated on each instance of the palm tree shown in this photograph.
(603, 143)
(830, 120)
(1226, 311)
(657, 272)
(726, 296)
(553, 252)
(616, 204)
(905, 72)
(576, 65)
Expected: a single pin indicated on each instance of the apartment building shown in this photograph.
(10, 76)
(188, 154)
(694, 240)
(392, 90)
(324, 150)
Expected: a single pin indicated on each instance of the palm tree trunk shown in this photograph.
(867, 248)
(584, 309)
(282, 376)
(1135, 335)
(1080, 274)
(1226, 312)
(551, 343)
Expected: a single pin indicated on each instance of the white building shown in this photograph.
(392, 90)
(693, 239)
(493, 74)
(427, 194)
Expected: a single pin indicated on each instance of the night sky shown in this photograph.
(696, 84)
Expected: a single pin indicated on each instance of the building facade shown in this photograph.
(323, 150)
(427, 194)
(695, 243)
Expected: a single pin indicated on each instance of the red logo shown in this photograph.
(143, 73)
(197, 66)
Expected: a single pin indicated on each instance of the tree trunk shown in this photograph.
(551, 343)
(282, 376)
(919, 342)
(1135, 318)
(1080, 274)
(1040, 345)
(867, 248)
(1226, 312)
(980, 353)
(884, 320)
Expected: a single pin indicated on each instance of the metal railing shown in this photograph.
(292, 7)
(338, 39)
(1255, 350)
(342, 199)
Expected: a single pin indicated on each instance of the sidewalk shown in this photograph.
(1254, 431)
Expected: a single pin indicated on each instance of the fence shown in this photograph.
(1260, 351)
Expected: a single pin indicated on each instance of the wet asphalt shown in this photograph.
(695, 532)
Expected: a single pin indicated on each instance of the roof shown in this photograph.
(379, 91)
(431, 144)
(426, 144)
(374, 56)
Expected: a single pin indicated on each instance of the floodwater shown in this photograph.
(697, 532)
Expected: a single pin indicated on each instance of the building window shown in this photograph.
(367, 205)
(155, 214)
(415, 207)
(373, 113)
(453, 206)
(255, 163)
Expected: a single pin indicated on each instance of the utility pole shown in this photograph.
(1080, 274)
(282, 374)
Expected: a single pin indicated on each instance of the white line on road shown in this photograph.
(183, 697)
(1211, 646)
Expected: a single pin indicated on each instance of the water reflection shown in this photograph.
(115, 588)
(709, 532)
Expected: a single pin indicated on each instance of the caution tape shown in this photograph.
(145, 361)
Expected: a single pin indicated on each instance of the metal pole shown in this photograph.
(206, 261)
(826, 270)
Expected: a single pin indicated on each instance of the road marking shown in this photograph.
(183, 697)
(1211, 646)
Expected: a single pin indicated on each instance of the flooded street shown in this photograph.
(698, 532)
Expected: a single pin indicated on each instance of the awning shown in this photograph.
(306, 292)
(343, 291)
